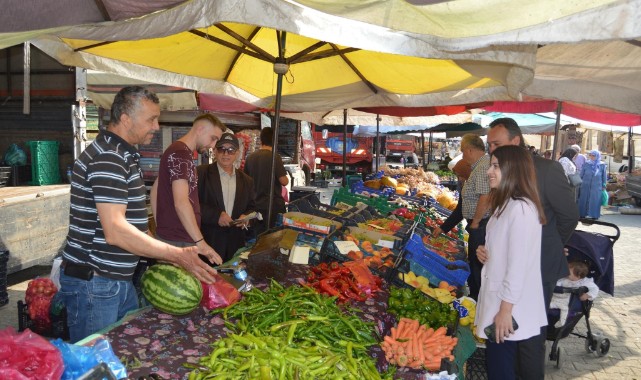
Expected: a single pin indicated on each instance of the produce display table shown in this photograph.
(149, 341)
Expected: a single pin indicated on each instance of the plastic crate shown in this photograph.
(423, 230)
(436, 268)
(58, 328)
(353, 178)
(5, 174)
(474, 368)
(330, 253)
(433, 203)
(44, 162)
(4, 296)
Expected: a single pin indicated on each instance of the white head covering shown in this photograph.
(576, 147)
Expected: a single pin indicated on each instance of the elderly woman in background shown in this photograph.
(594, 180)
(579, 159)
(567, 161)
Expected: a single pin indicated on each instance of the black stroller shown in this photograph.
(596, 250)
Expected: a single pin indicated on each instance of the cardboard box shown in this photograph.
(310, 222)
(377, 238)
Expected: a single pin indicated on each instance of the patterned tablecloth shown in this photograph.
(149, 341)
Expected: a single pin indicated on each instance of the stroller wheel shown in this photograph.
(603, 347)
(590, 345)
(559, 356)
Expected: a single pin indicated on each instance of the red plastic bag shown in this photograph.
(367, 282)
(219, 294)
(27, 356)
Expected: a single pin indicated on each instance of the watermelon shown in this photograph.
(171, 289)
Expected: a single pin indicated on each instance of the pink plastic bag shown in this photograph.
(28, 356)
(219, 294)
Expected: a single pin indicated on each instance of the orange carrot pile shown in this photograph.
(416, 346)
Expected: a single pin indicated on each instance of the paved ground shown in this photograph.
(617, 318)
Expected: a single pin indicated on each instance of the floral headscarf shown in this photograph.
(593, 164)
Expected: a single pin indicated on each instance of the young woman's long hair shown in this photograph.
(518, 180)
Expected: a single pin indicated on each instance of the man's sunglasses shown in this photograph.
(228, 151)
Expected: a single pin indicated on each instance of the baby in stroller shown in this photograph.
(578, 278)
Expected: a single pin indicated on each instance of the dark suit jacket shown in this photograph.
(562, 214)
(225, 240)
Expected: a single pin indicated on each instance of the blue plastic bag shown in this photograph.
(81, 359)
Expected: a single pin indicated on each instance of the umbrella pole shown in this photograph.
(631, 161)
(376, 144)
(280, 68)
(344, 147)
(559, 106)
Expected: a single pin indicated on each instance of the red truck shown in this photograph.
(329, 148)
(399, 152)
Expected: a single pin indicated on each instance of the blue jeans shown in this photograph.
(95, 304)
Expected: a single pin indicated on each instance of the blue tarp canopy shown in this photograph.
(530, 123)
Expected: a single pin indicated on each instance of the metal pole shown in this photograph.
(79, 113)
(631, 161)
(376, 143)
(344, 147)
(559, 106)
(423, 149)
(26, 74)
(282, 37)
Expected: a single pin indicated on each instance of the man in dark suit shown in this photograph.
(562, 217)
(226, 194)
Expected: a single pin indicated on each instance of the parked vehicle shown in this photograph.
(329, 148)
(399, 152)
(633, 187)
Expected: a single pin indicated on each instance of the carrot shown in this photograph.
(419, 348)
(400, 329)
(433, 365)
(429, 333)
(391, 341)
(440, 331)
(394, 334)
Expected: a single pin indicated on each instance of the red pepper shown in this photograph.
(354, 286)
(349, 294)
(334, 266)
(328, 288)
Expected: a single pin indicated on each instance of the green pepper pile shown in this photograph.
(290, 333)
(413, 304)
(318, 317)
(251, 356)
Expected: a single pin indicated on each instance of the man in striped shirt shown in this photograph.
(108, 229)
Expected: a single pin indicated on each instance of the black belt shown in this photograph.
(79, 271)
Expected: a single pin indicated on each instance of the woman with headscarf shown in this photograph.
(594, 179)
(567, 162)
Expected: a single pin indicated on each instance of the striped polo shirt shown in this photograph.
(106, 172)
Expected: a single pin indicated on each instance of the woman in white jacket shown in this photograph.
(511, 277)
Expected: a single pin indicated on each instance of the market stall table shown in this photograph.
(149, 341)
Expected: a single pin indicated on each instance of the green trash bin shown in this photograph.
(44, 162)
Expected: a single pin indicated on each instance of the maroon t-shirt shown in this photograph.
(177, 162)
